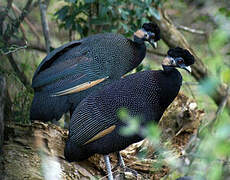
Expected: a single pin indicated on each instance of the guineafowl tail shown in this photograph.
(45, 107)
(75, 153)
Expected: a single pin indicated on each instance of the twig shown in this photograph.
(19, 73)
(30, 25)
(156, 53)
(2, 105)
(37, 47)
(9, 32)
(190, 83)
(12, 49)
(23, 44)
(45, 27)
(194, 31)
(15, 25)
(220, 108)
(3, 16)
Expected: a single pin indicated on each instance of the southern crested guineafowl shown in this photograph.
(69, 73)
(95, 125)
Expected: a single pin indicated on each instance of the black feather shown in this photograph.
(184, 53)
(152, 27)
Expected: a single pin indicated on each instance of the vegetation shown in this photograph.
(205, 26)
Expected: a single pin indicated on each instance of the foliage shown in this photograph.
(94, 16)
(210, 159)
(213, 152)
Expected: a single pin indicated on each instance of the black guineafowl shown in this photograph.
(69, 73)
(94, 126)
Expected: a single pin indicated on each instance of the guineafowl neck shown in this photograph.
(170, 86)
(139, 51)
(138, 40)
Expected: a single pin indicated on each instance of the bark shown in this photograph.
(2, 96)
(173, 38)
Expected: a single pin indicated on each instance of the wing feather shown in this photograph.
(83, 126)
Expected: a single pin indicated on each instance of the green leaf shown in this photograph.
(148, 2)
(89, 1)
(68, 23)
(103, 11)
(132, 123)
(62, 13)
(226, 76)
(71, 1)
(224, 11)
(209, 85)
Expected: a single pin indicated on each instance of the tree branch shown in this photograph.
(15, 25)
(3, 16)
(30, 25)
(2, 104)
(173, 38)
(30, 45)
(37, 47)
(220, 108)
(19, 73)
(187, 29)
(156, 53)
(45, 27)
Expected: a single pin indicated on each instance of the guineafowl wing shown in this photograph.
(88, 123)
(69, 70)
(53, 55)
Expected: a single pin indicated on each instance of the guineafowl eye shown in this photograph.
(180, 61)
(178, 57)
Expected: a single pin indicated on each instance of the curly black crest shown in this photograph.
(180, 52)
(152, 27)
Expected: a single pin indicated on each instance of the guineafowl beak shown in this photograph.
(151, 40)
(181, 64)
(153, 43)
(187, 68)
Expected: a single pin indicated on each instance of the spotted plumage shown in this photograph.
(145, 94)
(69, 73)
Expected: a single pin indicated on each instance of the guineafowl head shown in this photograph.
(178, 57)
(149, 32)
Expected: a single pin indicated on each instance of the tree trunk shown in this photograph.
(2, 96)
(173, 38)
